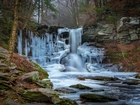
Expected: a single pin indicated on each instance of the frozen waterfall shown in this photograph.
(62, 48)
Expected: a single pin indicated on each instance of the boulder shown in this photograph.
(51, 96)
(96, 98)
(65, 90)
(102, 78)
(37, 95)
(31, 76)
(67, 102)
(131, 82)
(46, 83)
(80, 86)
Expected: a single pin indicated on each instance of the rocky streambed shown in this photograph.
(103, 88)
(25, 83)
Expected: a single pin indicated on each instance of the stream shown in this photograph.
(69, 62)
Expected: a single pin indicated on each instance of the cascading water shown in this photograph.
(63, 57)
(49, 49)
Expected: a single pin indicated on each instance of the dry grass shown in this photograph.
(128, 55)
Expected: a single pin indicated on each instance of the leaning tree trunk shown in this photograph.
(31, 10)
(13, 34)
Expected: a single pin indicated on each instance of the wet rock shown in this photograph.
(80, 86)
(46, 83)
(64, 35)
(137, 76)
(65, 90)
(123, 86)
(67, 102)
(31, 76)
(96, 98)
(51, 96)
(36, 96)
(97, 90)
(132, 82)
(81, 78)
(102, 78)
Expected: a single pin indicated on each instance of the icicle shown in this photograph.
(19, 47)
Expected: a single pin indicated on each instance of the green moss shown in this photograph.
(138, 49)
(79, 86)
(4, 41)
(134, 60)
(3, 87)
(67, 102)
(22, 68)
(42, 72)
(35, 96)
(115, 60)
(4, 77)
(125, 55)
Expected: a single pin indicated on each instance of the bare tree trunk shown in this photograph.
(13, 34)
(30, 13)
(42, 13)
(77, 13)
(39, 12)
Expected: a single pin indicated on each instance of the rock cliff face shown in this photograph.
(128, 30)
(121, 44)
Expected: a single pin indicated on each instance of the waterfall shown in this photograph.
(75, 39)
(62, 48)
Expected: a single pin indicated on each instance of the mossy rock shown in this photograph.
(42, 72)
(31, 77)
(80, 86)
(65, 90)
(67, 102)
(96, 98)
(102, 78)
(45, 83)
(35, 96)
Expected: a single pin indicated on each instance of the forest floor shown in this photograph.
(127, 55)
